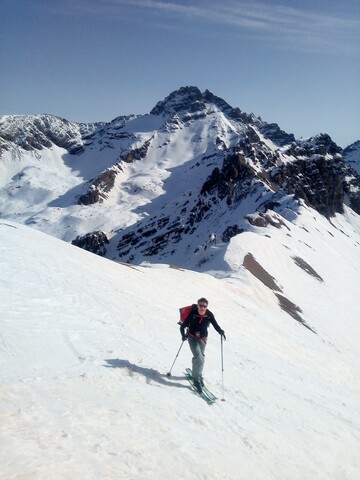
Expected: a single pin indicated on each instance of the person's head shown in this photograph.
(202, 304)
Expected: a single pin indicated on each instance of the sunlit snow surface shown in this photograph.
(85, 344)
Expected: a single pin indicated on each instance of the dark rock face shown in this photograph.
(42, 131)
(137, 153)
(186, 99)
(153, 237)
(319, 176)
(234, 113)
(100, 187)
(318, 145)
(234, 172)
(190, 102)
(319, 182)
(351, 155)
(261, 219)
(230, 232)
(352, 191)
(93, 242)
(278, 136)
(354, 147)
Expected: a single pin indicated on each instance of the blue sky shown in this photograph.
(296, 63)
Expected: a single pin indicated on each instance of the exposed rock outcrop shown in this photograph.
(351, 155)
(104, 183)
(35, 132)
(94, 242)
(319, 175)
(257, 270)
(230, 232)
(100, 187)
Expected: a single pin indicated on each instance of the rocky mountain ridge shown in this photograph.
(352, 155)
(192, 166)
(36, 132)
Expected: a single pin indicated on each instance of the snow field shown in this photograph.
(85, 347)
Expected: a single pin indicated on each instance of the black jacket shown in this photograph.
(198, 324)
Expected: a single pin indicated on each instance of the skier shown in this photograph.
(197, 324)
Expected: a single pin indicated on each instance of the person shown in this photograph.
(195, 330)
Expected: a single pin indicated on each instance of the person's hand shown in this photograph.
(184, 337)
(222, 333)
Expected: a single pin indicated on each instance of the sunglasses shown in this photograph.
(202, 305)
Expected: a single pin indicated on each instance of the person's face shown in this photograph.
(202, 307)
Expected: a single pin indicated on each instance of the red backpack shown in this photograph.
(184, 313)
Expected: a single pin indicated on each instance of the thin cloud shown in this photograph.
(258, 17)
(301, 28)
(252, 13)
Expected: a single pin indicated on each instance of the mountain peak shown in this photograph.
(188, 99)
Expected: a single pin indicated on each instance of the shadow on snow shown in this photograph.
(150, 374)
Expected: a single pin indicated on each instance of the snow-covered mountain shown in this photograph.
(86, 344)
(352, 155)
(154, 187)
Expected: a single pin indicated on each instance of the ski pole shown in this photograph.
(169, 372)
(222, 370)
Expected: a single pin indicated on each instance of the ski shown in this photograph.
(206, 395)
(202, 394)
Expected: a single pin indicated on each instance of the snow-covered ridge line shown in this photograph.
(165, 180)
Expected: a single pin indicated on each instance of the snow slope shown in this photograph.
(86, 343)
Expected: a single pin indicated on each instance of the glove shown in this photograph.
(222, 333)
(184, 337)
